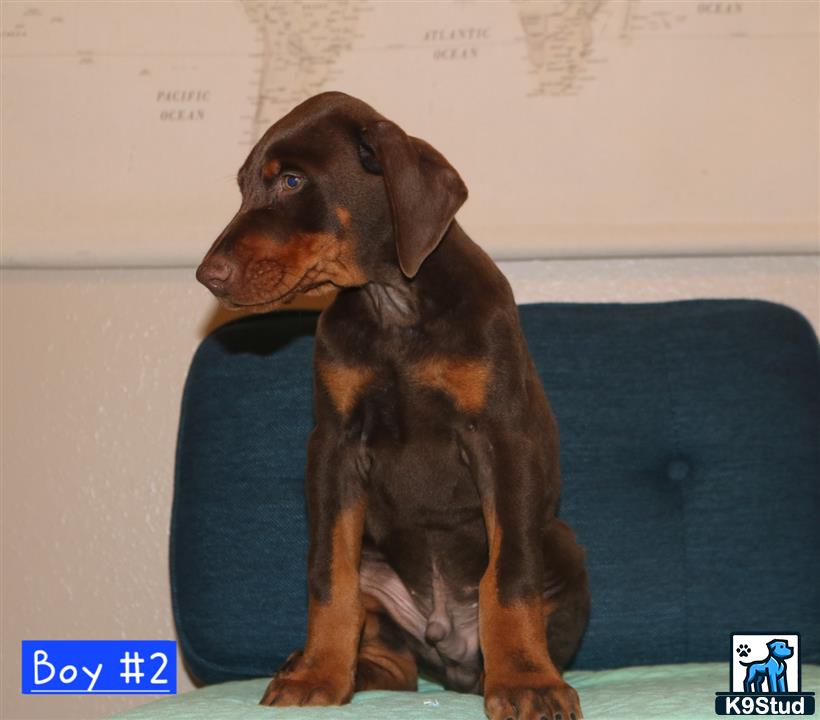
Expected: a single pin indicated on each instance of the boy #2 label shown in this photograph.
(99, 667)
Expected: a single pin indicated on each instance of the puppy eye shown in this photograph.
(291, 182)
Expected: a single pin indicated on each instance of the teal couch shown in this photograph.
(690, 454)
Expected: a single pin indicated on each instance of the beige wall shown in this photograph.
(93, 363)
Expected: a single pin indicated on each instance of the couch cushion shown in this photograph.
(690, 464)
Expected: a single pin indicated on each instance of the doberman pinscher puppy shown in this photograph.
(432, 475)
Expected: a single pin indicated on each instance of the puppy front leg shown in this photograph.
(323, 673)
(520, 679)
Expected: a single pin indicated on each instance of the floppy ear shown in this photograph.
(423, 189)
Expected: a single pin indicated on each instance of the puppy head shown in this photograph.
(333, 195)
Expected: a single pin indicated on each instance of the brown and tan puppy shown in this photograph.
(432, 475)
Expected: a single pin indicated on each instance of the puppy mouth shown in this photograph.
(306, 285)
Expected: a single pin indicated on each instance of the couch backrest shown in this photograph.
(690, 454)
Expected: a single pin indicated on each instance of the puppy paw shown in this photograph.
(558, 702)
(298, 682)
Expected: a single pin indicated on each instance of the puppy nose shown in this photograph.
(214, 273)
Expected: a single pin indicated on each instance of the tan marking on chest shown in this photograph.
(463, 379)
(344, 383)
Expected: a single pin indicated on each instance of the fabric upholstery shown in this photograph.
(690, 464)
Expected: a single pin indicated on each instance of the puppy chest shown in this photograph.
(408, 434)
(424, 480)
(403, 428)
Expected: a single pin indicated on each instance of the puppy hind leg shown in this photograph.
(566, 603)
(385, 662)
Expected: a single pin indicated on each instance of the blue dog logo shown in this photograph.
(770, 670)
(769, 686)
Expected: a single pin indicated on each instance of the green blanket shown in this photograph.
(662, 692)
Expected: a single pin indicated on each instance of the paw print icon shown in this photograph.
(743, 650)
